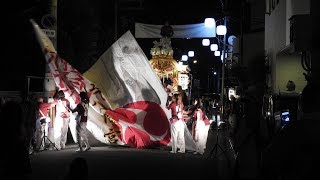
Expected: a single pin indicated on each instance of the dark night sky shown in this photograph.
(22, 56)
(19, 57)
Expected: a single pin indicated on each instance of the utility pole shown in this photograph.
(116, 20)
(223, 71)
(49, 84)
(51, 18)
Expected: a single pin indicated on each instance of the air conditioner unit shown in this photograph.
(300, 32)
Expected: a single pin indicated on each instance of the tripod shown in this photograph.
(43, 140)
(214, 151)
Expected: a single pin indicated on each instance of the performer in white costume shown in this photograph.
(177, 124)
(201, 129)
(61, 122)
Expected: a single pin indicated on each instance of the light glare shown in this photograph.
(209, 22)
(221, 30)
(184, 58)
(214, 47)
(205, 42)
(191, 53)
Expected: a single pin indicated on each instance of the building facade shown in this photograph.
(283, 43)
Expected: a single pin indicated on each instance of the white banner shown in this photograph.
(180, 31)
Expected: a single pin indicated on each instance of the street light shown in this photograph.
(205, 42)
(217, 53)
(221, 31)
(214, 47)
(209, 22)
(184, 58)
(191, 53)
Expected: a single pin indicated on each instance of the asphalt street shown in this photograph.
(105, 161)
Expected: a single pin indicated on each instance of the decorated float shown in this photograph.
(165, 66)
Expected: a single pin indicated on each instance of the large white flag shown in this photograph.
(124, 75)
(127, 100)
(126, 78)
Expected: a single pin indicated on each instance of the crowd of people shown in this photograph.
(30, 120)
(61, 122)
(192, 116)
(33, 115)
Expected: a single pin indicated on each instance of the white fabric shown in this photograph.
(60, 126)
(121, 76)
(60, 131)
(177, 136)
(190, 144)
(61, 107)
(124, 75)
(198, 115)
(201, 134)
(179, 114)
(180, 31)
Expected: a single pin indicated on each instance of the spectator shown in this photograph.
(82, 118)
(78, 170)
(15, 161)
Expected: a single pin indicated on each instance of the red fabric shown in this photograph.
(66, 77)
(138, 121)
(202, 115)
(172, 106)
(173, 120)
(206, 121)
(43, 108)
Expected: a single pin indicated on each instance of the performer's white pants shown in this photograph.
(60, 132)
(201, 134)
(81, 134)
(177, 135)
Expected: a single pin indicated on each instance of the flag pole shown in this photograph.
(48, 83)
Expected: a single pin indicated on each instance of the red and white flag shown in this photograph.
(134, 92)
(127, 101)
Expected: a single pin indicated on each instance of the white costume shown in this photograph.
(61, 124)
(177, 129)
(201, 131)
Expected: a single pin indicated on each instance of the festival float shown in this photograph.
(165, 66)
